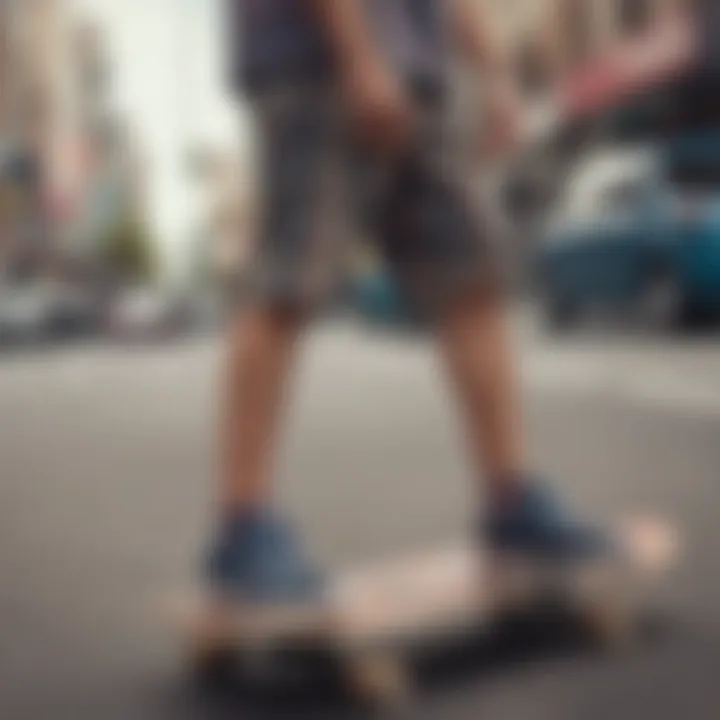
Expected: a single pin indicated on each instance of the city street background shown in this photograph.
(107, 468)
(129, 208)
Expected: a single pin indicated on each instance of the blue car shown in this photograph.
(638, 232)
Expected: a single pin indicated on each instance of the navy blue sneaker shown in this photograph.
(257, 559)
(535, 526)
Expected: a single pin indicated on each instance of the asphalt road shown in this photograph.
(105, 470)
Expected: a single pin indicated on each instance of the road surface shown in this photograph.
(106, 459)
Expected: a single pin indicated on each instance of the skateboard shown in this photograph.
(373, 615)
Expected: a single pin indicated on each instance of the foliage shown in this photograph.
(129, 251)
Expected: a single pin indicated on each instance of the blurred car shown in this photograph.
(74, 313)
(638, 232)
(24, 313)
(42, 311)
(146, 314)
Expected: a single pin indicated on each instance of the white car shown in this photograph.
(25, 312)
(144, 314)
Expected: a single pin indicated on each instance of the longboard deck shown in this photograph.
(372, 611)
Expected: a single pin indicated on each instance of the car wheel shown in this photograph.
(661, 304)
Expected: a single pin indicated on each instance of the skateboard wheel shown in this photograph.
(379, 679)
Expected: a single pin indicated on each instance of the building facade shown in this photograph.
(69, 166)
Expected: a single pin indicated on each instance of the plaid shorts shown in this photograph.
(321, 191)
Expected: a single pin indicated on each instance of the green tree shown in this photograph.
(129, 251)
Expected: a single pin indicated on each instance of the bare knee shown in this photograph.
(265, 328)
(471, 305)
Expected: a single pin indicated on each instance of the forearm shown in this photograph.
(488, 55)
(371, 89)
(345, 25)
(478, 40)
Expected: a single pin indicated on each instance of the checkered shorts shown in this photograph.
(322, 190)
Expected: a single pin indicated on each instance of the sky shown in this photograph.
(168, 57)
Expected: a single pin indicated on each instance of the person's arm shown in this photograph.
(346, 27)
(488, 55)
(372, 90)
(477, 39)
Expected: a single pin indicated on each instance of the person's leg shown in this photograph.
(254, 555)
(441, 252)
(258, 364)
(444, 253)
(477, 347)
(522, 514)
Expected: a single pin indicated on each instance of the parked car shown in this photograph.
(24, 313)
(42, 311)
(147, 314)
(637, 232)
(74, 314)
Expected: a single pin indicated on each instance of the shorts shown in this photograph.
(322, 191)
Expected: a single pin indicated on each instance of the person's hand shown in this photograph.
(501, 133)
(379, 106)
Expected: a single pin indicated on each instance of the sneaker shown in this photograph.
(536, 526)
(257, 559)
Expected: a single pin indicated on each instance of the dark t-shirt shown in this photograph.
(280, 40)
